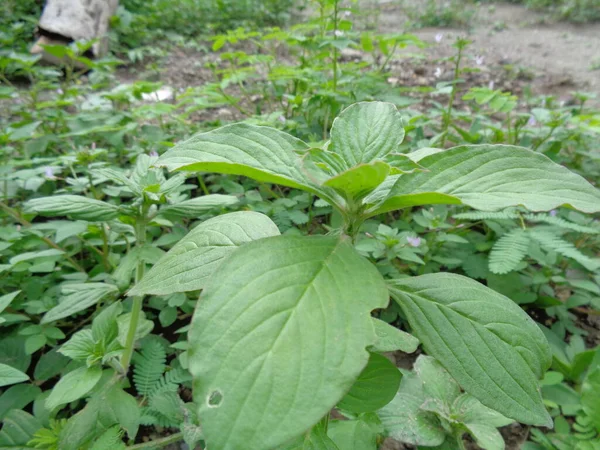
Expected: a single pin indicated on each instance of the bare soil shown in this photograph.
(558, 57)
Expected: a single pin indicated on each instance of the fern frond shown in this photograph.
(170, 381)
(169, 405)
(560, 222)
(111, 439)
(483, 215)
(553, 242)
(149, 367)
(509, 251)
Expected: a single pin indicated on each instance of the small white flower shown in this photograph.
(438, 72)
(347, 13)
(491, 85)
(281, 119)
(439, 37)
(338, 33)
(49, 173)
(413, 241)
(154, 154)
(59, 91)
(532, 122)
(479, 60)
(93, 146)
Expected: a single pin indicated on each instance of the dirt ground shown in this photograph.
(560, 57)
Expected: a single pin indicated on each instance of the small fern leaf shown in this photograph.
(149, 367)
(171, 381)
(483, 215)
(560, 222)
(509, 251)
(111, 439)
(553, 242)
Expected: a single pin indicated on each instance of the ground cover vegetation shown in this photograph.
(239, 263)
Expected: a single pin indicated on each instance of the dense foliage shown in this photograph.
(311, 217)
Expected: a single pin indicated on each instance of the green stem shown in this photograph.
(203, 185)
(136, 307)
(335, 49)
(159, 443)
(448, 115)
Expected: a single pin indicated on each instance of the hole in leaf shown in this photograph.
(214, 399)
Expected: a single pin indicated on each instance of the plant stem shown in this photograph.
(136, 307)
(27, 224)
(335, 49)
(448, 115)
(158, 443)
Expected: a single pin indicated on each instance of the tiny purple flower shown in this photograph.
(154, 154)
(347, 13)
(59, 91)
(281, 119)
(413, 241)
(553, 213)
(491, 85)
(532, 122)
(439, 37)
(49, 173)
(479, 60)
(438, 72)
(338, 33)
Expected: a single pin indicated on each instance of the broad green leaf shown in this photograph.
(80, 347)
(279, 336)
(17, 397)
(390, 338)
(487, 343)
(50, 364)
(366, 131)
(318, 440)
(110, 407)
(358, 181)
(486, 436)
(374, 388)
(6, 300)
(189, 264)
(199, 205)
(590, 396)
(18, 429)
(404, 420)
(73, 206)
(10, 375)
(352, 435)
(438, 385)
(77, 297)
(73, 386)
(471, 410)
(489, 178)
(262, 153)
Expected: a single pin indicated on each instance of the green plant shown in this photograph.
(282, 329)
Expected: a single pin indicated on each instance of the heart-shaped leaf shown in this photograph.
(487, 343)
(187, 266)
(279, 336)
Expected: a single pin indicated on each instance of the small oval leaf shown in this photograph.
(374, 388)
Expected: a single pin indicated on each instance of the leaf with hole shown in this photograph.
(486, 342)
(189, 264)
(279, 336)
